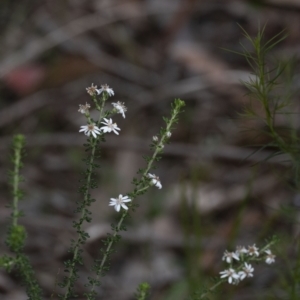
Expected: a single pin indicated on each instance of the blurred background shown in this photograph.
(149, 52)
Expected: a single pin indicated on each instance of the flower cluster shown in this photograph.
(109, 126)
(93, 90)
(243, 255)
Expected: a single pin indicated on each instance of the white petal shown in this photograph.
(126, 200)
(124, 206)
(105, 129)
(235, 256)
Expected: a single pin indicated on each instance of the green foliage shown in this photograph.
(142, 291)
(16, 238)
(16, 233)
(270, 87)
(7, 262)
(27, 274)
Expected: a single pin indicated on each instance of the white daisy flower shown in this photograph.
(120, 107)
(155, 180)
(107, 89)
(169, 134)
(229, 256)
(92, 90)
(247, 271)
(118, 202)
(84, 108)
(231, 274)
(155, 138)
(90, 129)
(109, 126)
(253, 250)
(270, 258)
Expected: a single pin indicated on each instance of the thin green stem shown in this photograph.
(212, 288)
(263, 94)
(82, 218)
(84, 212)
(177, 106)
(125, 213)
(160, 144)
(16, 182)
